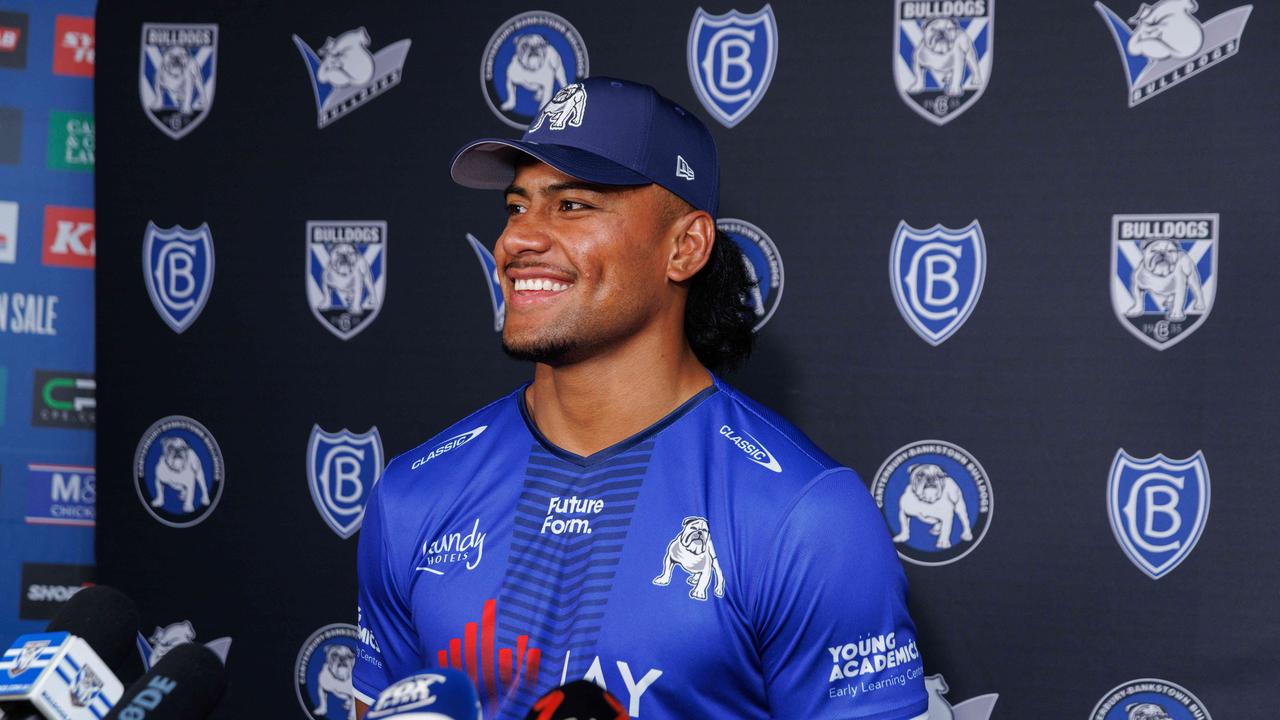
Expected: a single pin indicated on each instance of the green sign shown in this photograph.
(71, 141)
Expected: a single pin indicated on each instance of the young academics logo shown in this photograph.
(177, 265)
(1164, 274)
(937, 500)
(1167, 44)
(342, 468)
(178, 471)
(176, 75)
(942, 55)
(492, 281)
(1149, 699)
(322, 673)
(345, 74)
(70, 238)
(346, 273)
(937, 276)
(731, 58)
(764, 266)
(1158, 507)
(529, 58)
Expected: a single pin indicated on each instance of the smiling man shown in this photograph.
(628, 517)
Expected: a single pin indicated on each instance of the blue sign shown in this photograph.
(1158, 507)
(342, 468)
(731, 59)
(937, 277)
(178, 266)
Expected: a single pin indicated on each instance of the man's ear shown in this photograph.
(694, 235)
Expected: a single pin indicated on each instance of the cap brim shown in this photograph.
(490, 164)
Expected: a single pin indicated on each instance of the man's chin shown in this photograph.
(548, 352)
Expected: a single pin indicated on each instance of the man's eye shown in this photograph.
(573, 205)
(515, 209)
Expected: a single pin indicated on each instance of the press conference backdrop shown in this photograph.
(1012, 256)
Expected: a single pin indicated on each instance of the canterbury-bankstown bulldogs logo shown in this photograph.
(731, 58)
(178, 471)
(342, 469)
(943, 53)
(86, 687)
(976, 708)
(1158, 507)
(346, 74)
(27, 657)
(565, 109)
(1164, 44)
(176, 75)
(346, 273)
(494, 283)
(937, 277)
(323, 673)
(527, 62)
(177, 265)
(164, 639)
(1164, 274)
(1149, 699)
(691, 551)
(763, 263)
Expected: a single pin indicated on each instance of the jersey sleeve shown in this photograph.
(831, 611)
(387, 642)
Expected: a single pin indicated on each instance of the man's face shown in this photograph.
(583, 267)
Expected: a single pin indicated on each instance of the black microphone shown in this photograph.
(580, 699)
(108, 620)
(186, 684)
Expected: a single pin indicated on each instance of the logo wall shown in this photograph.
(1149, 699)
(176, 75)
(1158, 507)
(1164, 44)
(942, 55)
(731, 59)
(346, 74)
(937, 277)
(346, 273)
(342, 469)
(494, 283)
(530, 58)
(322, 673)
(177, 265)
(764, 266)
(178, 471)
(1164, 274)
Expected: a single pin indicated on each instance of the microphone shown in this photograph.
(70, 671)
(437, 694)
(580, 699)
(186, 684)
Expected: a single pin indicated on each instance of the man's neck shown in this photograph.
(587, 406)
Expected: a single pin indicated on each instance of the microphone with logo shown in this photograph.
(578, 700)
(186, 684)
(71, 670)
(437, 694)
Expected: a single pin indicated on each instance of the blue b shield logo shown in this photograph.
(341, 470)
(178, 265)
(731, 58)
(1158, 507)
(937, 276)
(490, 268)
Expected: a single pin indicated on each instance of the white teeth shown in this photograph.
(538, 284)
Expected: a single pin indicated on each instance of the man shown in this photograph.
(628, 517)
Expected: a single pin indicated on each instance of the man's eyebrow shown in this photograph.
(567, 185)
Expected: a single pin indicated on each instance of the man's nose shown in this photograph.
(527, 235)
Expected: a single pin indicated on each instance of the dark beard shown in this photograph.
(553, 352)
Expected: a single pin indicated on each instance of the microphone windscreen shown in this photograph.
(434, 694)
(108, 620)
(186, 684)
(580, 699)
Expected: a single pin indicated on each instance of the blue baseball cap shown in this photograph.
(607, 131)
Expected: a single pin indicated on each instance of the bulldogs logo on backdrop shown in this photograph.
(177, 265)
(942, 55)
(1164, 274)
(529, 59)
(1158, 508)
(1149, 699)
(342, 468)
(1164, 44)
(322, 673)
(490, 267)
(976, 708)
(176, 75)
(166, 638)
(178, 471)
(937, 277)
(731, 58)
(764, 266)
(346, 74)
(691, 551)
(346, 273)
(937, 500)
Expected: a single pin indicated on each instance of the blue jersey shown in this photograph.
(716, 565)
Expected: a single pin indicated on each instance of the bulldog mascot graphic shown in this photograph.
(537, 67)
(934, 498)
(349, 278)
(946, 50)
(693, 552)
(335, 678)
(1167, 273)
(180, 469)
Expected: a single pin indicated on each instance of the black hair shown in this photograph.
(718, 320)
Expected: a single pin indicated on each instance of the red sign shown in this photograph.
(69, 237)
(73, 42)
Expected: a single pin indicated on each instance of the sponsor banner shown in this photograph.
(8, 231)
(70, 141)
(45, 587)
(10, 135)
(61, 495)
(63, 399)
(731, 58)
(28, 313)
(529, 59)
(73, 46)
(13, 39)
(70, 237)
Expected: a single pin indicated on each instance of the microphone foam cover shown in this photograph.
(105, 618)
(186, 684)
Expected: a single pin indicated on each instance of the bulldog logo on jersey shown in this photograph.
(342, 469)
(1164, 44)
(937, 276)
(527, 61)
(176, 75)
(492, 281)
(177, 264)
(1149, 699)
(691, 551)
(346, 273)
(1164, 274)
(764, 266)
(178, 471)
(731, 58)
(346, 74)
(1158, 507)
(942, 55)
(322, 673)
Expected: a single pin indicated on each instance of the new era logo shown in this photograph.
(682, 169)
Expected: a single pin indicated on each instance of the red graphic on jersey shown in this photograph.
(512, 667)
(73, 46)
(69, 237)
